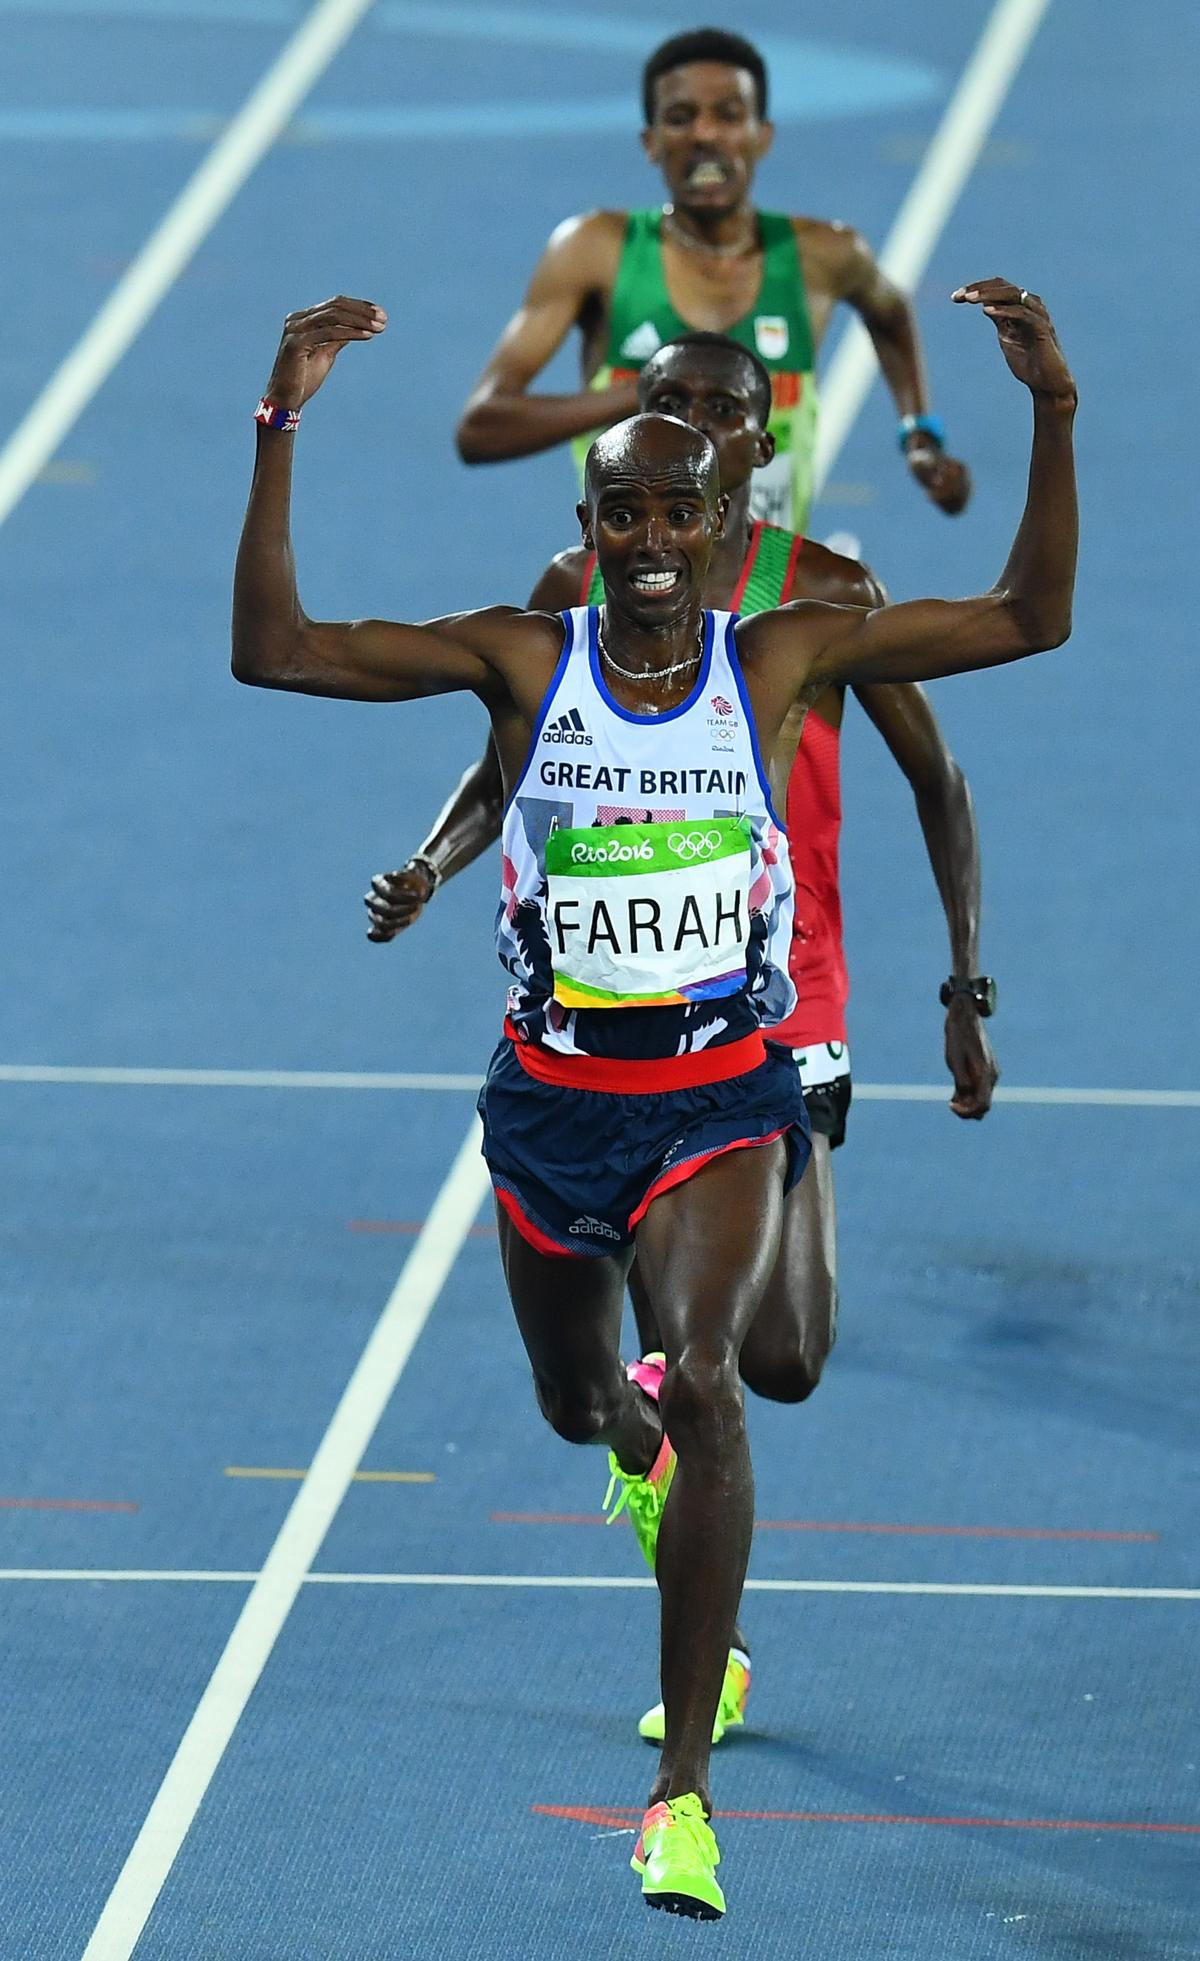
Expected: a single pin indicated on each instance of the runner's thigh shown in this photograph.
(568, 1311)
(798, 1310)
(706, 1248)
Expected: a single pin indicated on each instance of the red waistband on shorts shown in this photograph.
(621, 1077)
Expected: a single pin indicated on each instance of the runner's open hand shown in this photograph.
(970, 1060)
(312, 341)
(395, 901)
(1027, 337)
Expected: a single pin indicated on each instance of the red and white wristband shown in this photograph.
(272, 416)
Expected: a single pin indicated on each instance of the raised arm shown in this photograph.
(575, 273)
(888, 317)
(275, 644)
(904, 718)
(1029, 608)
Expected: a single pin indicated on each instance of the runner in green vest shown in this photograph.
(708, 259)
(643, 317)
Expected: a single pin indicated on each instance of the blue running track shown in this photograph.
(192, 1271)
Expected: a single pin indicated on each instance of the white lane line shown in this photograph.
(1116, 1099)
(131, 1573)
(932, 196)
(466, 1082)
(264, 114)
(599, 1582)
(287, 1564)
(20, 1072)
(603, 1582)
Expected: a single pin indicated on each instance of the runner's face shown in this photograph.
(653, 534)
(707, 137)
(711, 393)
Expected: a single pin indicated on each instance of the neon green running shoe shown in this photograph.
(731, 1710)
(643, 1495)
(677, 1857)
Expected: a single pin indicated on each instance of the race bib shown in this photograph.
(772, 492)
(781, 491)
(648, 915)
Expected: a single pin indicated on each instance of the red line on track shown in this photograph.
(410, 1227)
(830, 1525)
(65, 1505)
(616, 1817)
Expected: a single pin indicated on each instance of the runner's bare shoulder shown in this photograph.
(590, 243)
(835, 251)
(498, 631)
(774, 645)
(832, 577)
(521, 648)
(561, 584)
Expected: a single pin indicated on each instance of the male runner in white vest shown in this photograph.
(646, 959)
(720, 387)
(630, 281)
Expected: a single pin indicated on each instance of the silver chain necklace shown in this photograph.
(659, 675)
(683, 236)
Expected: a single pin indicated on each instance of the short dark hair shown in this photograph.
(725, 344)
(704, 44)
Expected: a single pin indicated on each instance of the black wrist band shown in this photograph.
(419, 862)
(979, 988)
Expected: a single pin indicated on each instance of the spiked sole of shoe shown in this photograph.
(682, 1904)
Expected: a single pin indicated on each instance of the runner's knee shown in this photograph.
(788, 1377)
(579, 1413)
(790, 1368)
(702, 1406)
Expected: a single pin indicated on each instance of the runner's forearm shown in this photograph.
(1039, 578)
(1027, 611)
(267, 614)
(470, 819)
(497, 426)
(947, 816)
(893, 331)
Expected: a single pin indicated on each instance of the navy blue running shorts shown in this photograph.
(576, 1169)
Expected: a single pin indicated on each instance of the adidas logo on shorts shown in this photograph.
(593, 1228)
(567, 728)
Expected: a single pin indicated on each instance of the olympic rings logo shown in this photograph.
(692, 845)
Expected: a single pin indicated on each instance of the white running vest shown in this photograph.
(646, 902)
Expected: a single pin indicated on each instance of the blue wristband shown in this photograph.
(925, 425)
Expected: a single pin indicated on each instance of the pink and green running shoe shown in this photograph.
(731, 1710)
(677, 1856)
(643, 1494)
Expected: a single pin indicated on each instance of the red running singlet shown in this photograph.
(817, 962)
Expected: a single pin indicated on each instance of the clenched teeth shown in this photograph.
(654, 581)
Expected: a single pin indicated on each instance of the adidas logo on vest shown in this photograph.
(642, 342)
(567, 728)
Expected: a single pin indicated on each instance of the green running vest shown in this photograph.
(777, 329)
